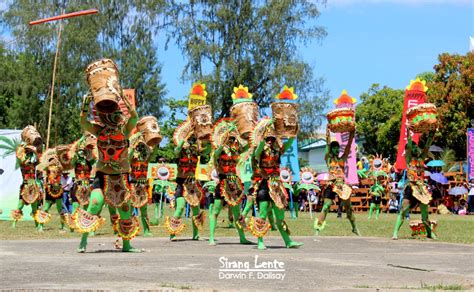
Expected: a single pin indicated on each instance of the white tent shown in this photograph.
(10, 181)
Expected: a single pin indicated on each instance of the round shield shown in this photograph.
(285, 175)
(163, 173)
(307, 177)
(377, 163)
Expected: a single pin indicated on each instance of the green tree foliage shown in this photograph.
(177, 110)
(378, 119)
(252, 43)
(123, 31)
(451, 90)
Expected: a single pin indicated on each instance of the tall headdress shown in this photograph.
(285, 113)
(244, 111)
(199, 113)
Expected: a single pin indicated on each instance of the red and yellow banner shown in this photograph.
(415, 94)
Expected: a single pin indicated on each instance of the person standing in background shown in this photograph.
(66, 184)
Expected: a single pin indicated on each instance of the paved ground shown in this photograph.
(327, 263)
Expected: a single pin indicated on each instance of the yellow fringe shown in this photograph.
(41, 218)
(170, 230)
(256, 232)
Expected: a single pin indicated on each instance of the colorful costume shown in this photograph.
(192, 140)
(379, 188)
(226, 144)
(376, 192)
(415, 192)
(27, 155)
(50, 164)
(244, 113)
(270, 191)
(140, 153)
(83, 160)
(336, 185)
(111, 183)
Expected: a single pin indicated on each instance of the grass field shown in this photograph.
(451, 228)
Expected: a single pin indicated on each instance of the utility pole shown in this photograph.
(58, 44)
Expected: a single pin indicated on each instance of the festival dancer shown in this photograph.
(111, 182)
(51, 165)
(376, 192)
(244, 113)
(188, 188)
(27, 155)
(83, 160)
(416, 192)
(140, 153)
(226, 145)
(270, 192)
(192, 140)
(336, 184)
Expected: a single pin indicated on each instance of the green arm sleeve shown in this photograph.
(217, 153)
(328, 141)
(131, 123)
(177, 149)
(206, 150)
(259, 150)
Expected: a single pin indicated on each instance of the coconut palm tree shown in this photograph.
(9, 145)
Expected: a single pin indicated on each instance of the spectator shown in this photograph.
(456, 207)
(393, 204)
(366, 164)
(313, 199)
(462, 207)
(448, 202)
(66, 183)
(436, 192)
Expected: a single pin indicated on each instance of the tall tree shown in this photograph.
(378, 119)
(452, 92)
(254, 43)
(124, 31)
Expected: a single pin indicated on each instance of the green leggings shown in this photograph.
(214, 213)
(95, 207)
(346, 204)
(144, 218)
(377, 210)
(21, 205)
(59, 207)
(280, 217)
(180, 205)
(424, 218)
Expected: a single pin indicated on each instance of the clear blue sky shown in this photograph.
(370, 41)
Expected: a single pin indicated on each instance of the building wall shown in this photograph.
(315, 158)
